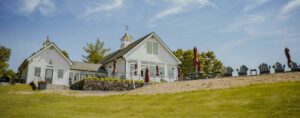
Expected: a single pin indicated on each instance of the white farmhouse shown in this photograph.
(48, 64)
(147, 52)
(130, 62)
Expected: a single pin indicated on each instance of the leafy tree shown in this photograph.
(186, 58)
(4, 58)
(10, 74)
(66, 53)
(95, 52)
(211, 66)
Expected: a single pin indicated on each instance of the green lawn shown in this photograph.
(279, 100)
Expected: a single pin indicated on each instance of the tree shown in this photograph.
(186, 58)
(65, 53)
(10, 74)
(4, 58)
(211, 66)
(95, 52)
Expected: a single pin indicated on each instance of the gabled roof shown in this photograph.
(85, 66)
(119, 53)
(41, 50)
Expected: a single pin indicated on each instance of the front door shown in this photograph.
(49, 76)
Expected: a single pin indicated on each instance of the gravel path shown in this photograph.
(221, 83)
(204, 84)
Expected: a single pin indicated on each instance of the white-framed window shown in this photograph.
(132, 68)
(152, 71)
(143, 70)
(71, 75)
(77, 75)
(152, 48)
(155, 48)
(149, 47)
(161, 70)
(171, 71)
(37, 71)
(60, 73)
(132, 64)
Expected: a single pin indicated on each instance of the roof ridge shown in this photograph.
(120, 52)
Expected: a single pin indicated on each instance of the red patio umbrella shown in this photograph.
(114, 67)
(157, 70)
(199, 66)
(135, 68)
(147, 75)
(196, 61)
(288, 56)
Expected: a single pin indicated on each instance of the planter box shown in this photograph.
(42, 86)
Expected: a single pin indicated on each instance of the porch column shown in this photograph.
(166, 76)
(139, 69)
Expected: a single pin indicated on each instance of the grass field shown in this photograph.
(269, 100)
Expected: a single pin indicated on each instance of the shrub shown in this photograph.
(106, 84)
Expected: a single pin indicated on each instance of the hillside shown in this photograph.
(266, 100)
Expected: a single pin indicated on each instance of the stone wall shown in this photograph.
(106, 84)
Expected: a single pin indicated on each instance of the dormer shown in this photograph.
(126, 40)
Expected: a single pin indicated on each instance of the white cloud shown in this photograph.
(180, 6)
(247, 24)
(45, 7)
(289, 7)
(256, 4)
(234, 44)
(104, 7)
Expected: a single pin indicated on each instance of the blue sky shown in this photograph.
(239, 31)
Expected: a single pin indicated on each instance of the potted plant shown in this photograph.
(42, 85)
(33, 86)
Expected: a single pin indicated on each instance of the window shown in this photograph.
(143, 70)
(132, 69)
(161, 70)
(37, 71)
(60, 73)
(155, 48)
(76, 77)
(171, 71)
(82, 76)
(152, 47)
(71, 75)
(142, 73)
(149, 47)
(132, 64)
(152, 71)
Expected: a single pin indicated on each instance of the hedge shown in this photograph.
(106, 84)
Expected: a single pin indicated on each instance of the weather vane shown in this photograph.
(126, 28)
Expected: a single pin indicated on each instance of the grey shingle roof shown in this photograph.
(85, 66)
(119, 53)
